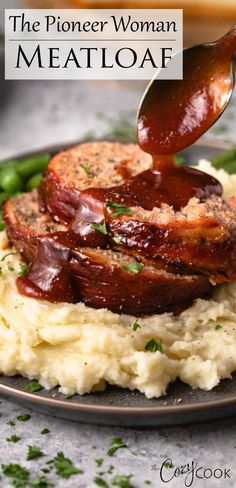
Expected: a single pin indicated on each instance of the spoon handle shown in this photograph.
(228, 41)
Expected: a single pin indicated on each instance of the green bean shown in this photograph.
(8, 164)
(33, 182)
(223, 158)
(179, 160)
(10, 181)
(230, 167)
(4, 196)
(30, 166)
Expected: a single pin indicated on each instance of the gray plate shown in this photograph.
(120, 407)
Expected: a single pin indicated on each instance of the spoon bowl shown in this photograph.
(175, 113)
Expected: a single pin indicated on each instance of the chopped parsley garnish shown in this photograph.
(45, 431)
(119, 209)
(136, 325)
(99, 462)
(33, 387)
(131, 267)
(154, 346)
(24, 417)
(100, 482)
(13, 438)
(122, 481)
(100, 227)
(168, 464)
(86, 167)
(19, 475)
(116, 239)
(11, 423)
(110, 469)
(1, 271)
(8, 254)
(24, 268)
(64, 466)
(116, 443)
(218, 327)
(41, 482)
(34, 452)
(68, 396)
(46, 470)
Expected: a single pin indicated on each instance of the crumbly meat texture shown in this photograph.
(93, 164)
(25, 223)
(222, 211)
(24, 211)
(99, 164)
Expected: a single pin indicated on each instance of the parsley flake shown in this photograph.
(119, 209)
(34, 452)
(24, 417)
(168, 463)
(131, 267)
(68, 396)
(86, 167)
(136, 325)
(41, 482)
(154, 346)
(64, 466)
(122, 481)
(33, 387)
(100, 227)
(99, 462)
(13, 438)
(45, 431)
(116, 239)
(11, 423)
(218, 327)
(24, 268)
(116, 443)
(19, 475)
(100, 482)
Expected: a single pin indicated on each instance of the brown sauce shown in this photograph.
(172, 118)
(50, 276)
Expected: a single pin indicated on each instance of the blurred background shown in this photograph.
(204, 19)
(35, 114)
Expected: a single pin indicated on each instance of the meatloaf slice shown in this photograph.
(201, 236)
(100, 278)
(98, 164)
(124, 284)
(25, 223)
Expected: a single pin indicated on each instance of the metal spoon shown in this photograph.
(174, 113)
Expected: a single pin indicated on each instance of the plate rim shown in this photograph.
(167, 409)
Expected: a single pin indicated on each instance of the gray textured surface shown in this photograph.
(32, 115)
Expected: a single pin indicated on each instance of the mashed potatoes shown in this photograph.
(81, 349)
